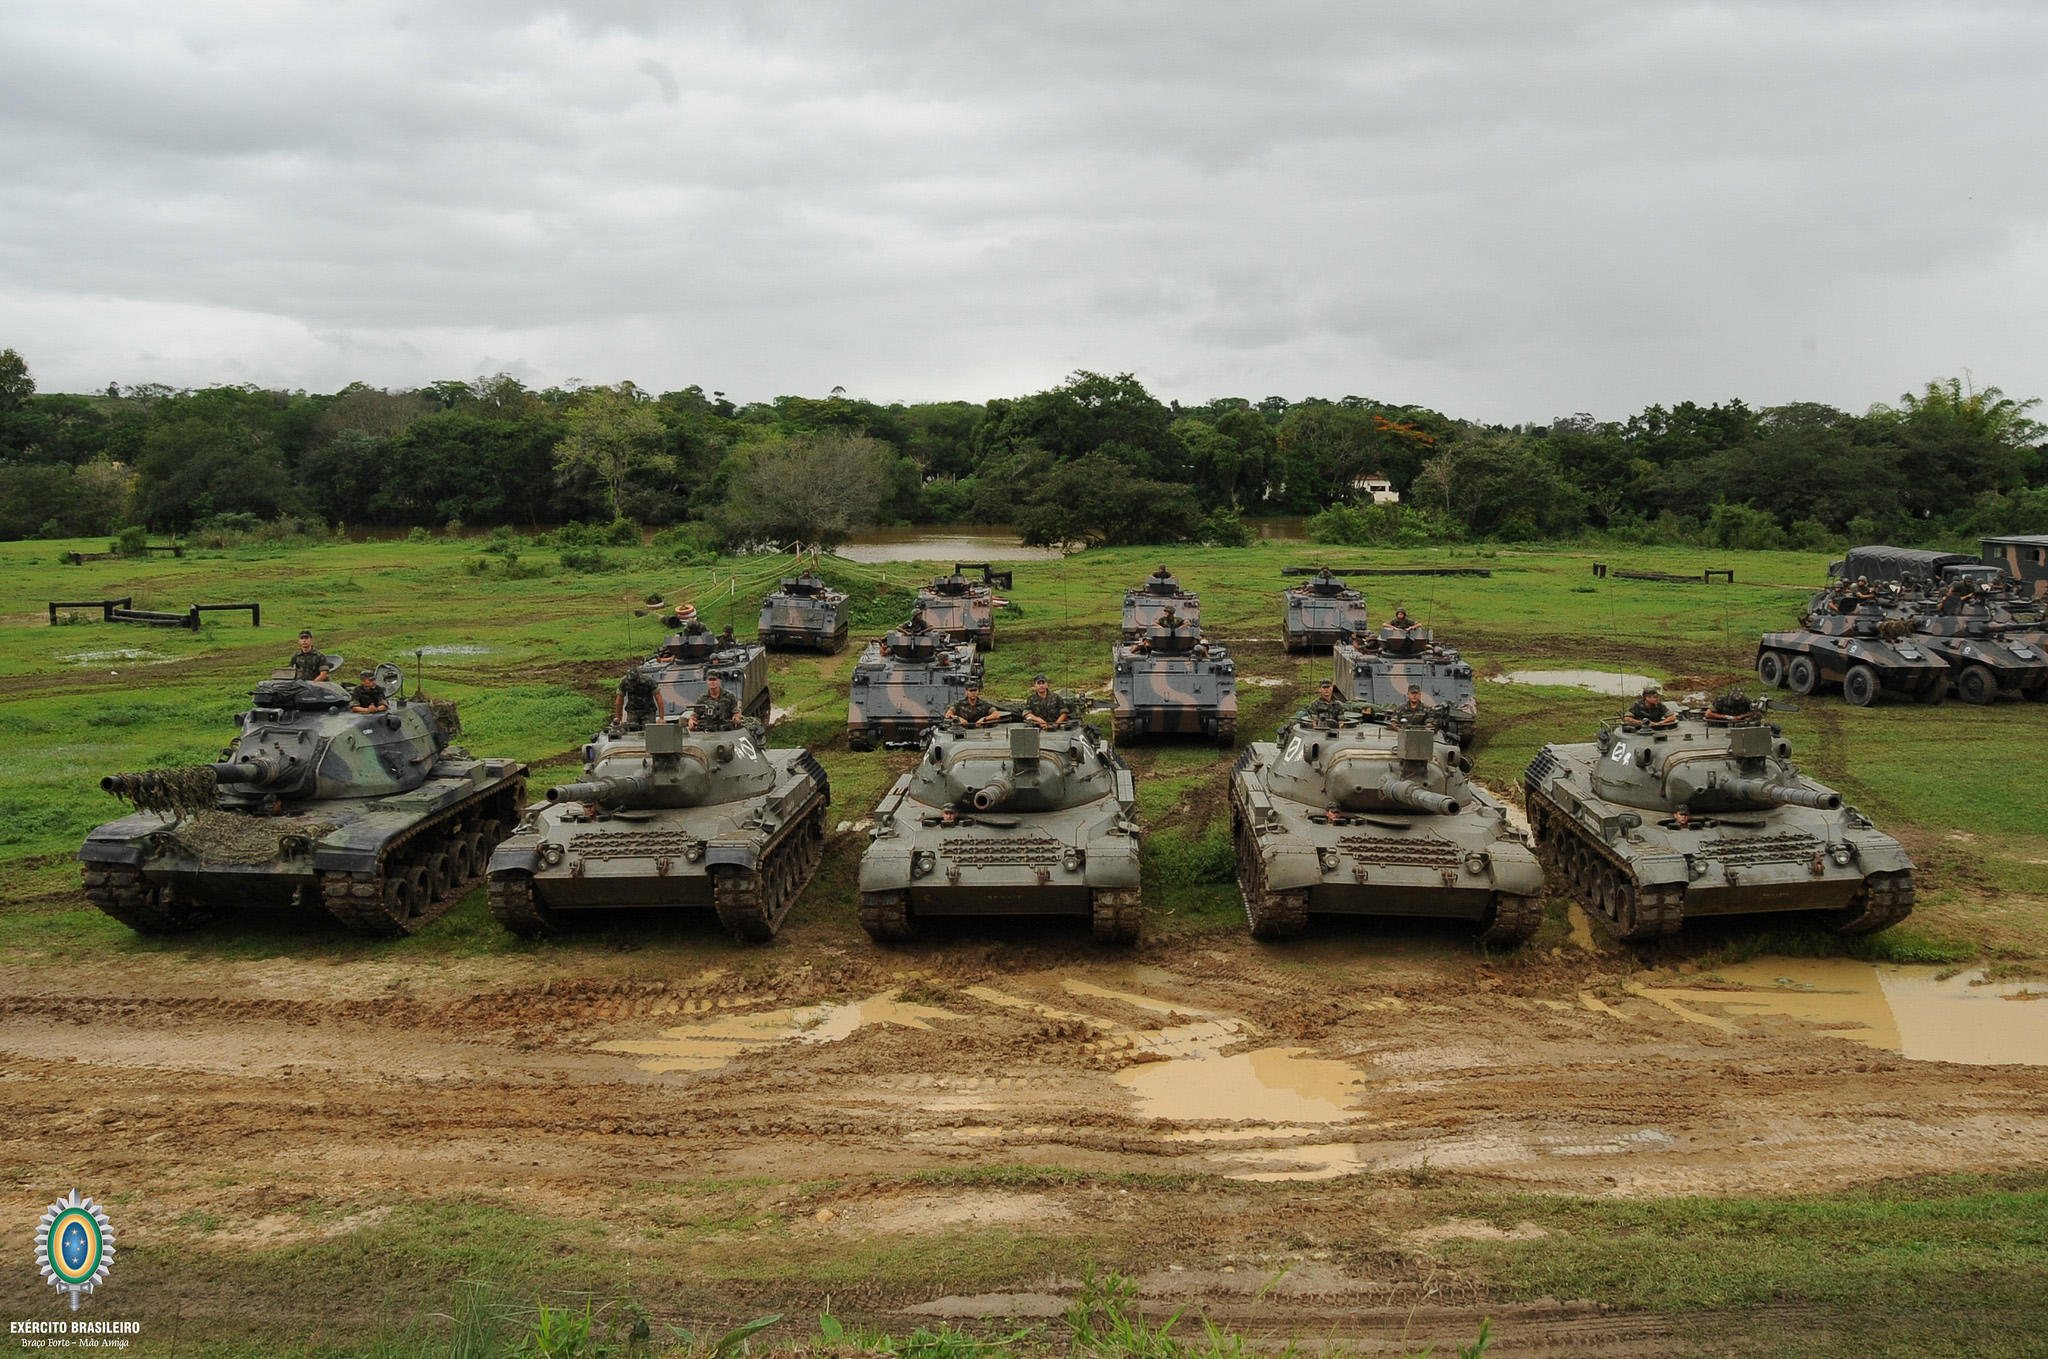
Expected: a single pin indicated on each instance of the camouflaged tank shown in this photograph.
(1169, 682)
(1362, 817)
(803, 613)
(1378, 668)
(1160, 593)
(1756, 835)
(903, 684)
(960, 607)
(1321, 612)
(666, 817)
(1006, 820)
(681, 668)
(374, 817)
(1864, 651)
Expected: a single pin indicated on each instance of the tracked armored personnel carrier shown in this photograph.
(961, 607)
(1361, 817)
(1169, 682)
(903, 684)
(1378, 668)
(374, 817)
(679, 670)
(803, 613)
(1006, 820)
(1651, 826)
(665, 818)
(1159, 594)
(1321, 612)
(1865, 652)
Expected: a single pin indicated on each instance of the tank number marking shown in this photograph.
(1620, 752)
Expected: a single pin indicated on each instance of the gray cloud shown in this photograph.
(1501, 209)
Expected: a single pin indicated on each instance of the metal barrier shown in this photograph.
(122, 610)
(1706, 577)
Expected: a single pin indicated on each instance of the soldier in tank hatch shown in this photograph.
(1415, 712)
(1650, 710)
(1044, 708)
(973, 709)
(367, 696)
(307, 663)
(1327, 709)
(717, 710)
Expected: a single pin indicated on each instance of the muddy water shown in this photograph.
(709, 1045)
(1599, 681)
(1269, 1085)
(1913, 1011)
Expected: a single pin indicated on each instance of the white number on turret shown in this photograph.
(1620, 752)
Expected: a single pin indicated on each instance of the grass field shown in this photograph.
(1932, 1265)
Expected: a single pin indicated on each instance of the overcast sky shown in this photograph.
(1503, 209)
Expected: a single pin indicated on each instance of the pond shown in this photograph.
(945, 543)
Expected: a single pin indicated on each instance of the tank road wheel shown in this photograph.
(437, 876)
(514, 905)
(1117, 915)
(861, 739)
(751, 904)
(886, 917)
(1860, 686)
(1123, 731)
(1801, 675)
(1226, 732)
(140, 904)
(488, 834)
(1886, 899)
(1514, 921)
(1976, 684)
(1770, 668)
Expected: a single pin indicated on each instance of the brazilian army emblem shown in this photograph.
(74, 1246)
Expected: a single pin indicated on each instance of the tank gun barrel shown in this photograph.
(608, 791)
(249, 769)
(991, 795)
(1784, 794)
(1409, 793)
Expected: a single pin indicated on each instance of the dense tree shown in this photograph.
(614, 433)
(811, 488)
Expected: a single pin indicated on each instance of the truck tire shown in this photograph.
(1770, 668)
(1801, 675)
(1976, 684)
(1860, 686)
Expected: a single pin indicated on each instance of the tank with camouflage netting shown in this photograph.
(804, 613)
(1648, 825)
(1355, 815)
(1321, 611)
(681, 671)
(374, 817)
(1006, 820)
(904, 683)
(1379, 667)
(961, 607)
(666, 817)
(1166, 679)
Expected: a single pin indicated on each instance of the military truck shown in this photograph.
(1006, 820)
(375, 817)
(1322, 611)
(1358, 816)
(1866, 652)
(1378, 668)
(1170, 682)
(803, 613)
(1148, 603)
(904, 683)
(1650, 826)
(2024, 558)
(962, 608)
(681, 668)
(663, 818)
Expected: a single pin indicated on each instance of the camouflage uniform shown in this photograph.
(717, 712)
(366, 695)
(971, 709)
(1415, 715)
(307, 665)
(1325, 710)
(1643, 710)
(1050, 708)
(638, 690)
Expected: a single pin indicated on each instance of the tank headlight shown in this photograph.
(1695, 868)
(1329, 858)
(694, 851)
(551, 855)
(1843, 855)
(923, 862)
(1071, 861)
(1475, 863)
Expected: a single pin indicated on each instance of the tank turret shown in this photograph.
(1715, 766)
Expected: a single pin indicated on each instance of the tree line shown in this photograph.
(1095, 459)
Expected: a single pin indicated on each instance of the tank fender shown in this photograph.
(885, 867)
(1521, 876)
(1289, 866)
(1879, 854)
(1112, 862)
(1657, 870)
(736, 852)
(111, 852)
(510, 856)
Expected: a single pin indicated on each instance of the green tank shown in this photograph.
(1648, 826)
(666, 817)
(374, 817)
(1358, 816)
(1006, 820)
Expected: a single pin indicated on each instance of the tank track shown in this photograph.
(514, 906)
(1600, 882)
(1515, 920)
(753, 903)
(1226, 732)
(1118, 914)
(1123, 731)
(389, 905)
(141, 905)
(1271, 915)
(886, 917)
(1886, 899)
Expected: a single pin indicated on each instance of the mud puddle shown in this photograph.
(709, 1045)
(1599, 681)
(1913, 1011)
(455, 649)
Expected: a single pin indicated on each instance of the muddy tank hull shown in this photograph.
(1293, 862)
(1382, 680)
(382, 866)
(1862, 668)
(1644, 876)
(748, 861)
(894, 701)
(1185, 695)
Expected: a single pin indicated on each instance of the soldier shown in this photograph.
(917, 623)
(974, 710)
(1681, 817)
(725, 637)
(367, 696)
(1731, 706)
(717, 710)
(1044, 708)
(1323, 577)
(1401, 619)
(1649, 710)
(1327, 709)
(307, 663)
(1415, 713)
(1171, 619)
(636, 701)
(1161, 576)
